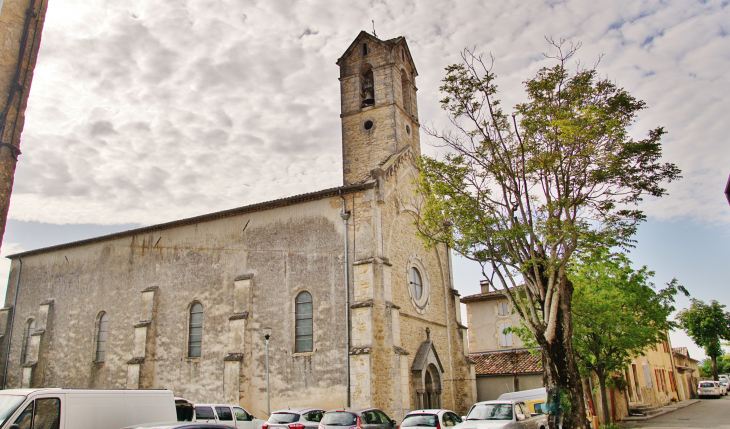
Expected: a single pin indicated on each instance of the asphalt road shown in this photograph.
(708, 413)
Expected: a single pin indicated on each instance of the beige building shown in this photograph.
(688, 373)
(503, 364)
(184, 305)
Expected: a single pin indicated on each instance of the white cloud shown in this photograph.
(148, 111)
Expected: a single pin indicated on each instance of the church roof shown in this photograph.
(268, 205)
(506, 362)
(427, 348)
(390, 42)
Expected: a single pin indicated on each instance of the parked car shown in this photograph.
(80, 408)
(535, 399)
(226, 414)
(723, 387)
(502, 414)
(430, 418)
(366, 418)
(709, 388)
(294, 418)
(178, 425)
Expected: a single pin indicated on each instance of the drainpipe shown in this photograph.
(345, 215)
(12, 322)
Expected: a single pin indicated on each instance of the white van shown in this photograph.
(226, 415)
(83, 409)
(535, 399)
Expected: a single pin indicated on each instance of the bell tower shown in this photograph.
(378, 104)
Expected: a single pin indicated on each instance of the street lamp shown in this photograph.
(267, 335)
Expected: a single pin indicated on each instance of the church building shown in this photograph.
(357, 311)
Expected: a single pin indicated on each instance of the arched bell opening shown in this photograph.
(367, 87)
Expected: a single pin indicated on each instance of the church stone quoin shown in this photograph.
(183, 305)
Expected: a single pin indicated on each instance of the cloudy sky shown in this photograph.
(146, 111)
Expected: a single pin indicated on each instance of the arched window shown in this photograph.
(195, 335)
(416, 284)
(26, 347)
(405, 89)
(101, 337)
(303, 325)
(367, 90)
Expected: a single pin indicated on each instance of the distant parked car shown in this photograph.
(366, 418)
(723, 386)
(502, 414)
(709, 388)
(294, 418)
(226, 414)
(430, 419)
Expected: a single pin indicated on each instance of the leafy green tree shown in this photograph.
(707, 325)
(723, 366)
(617, 314)
(521, 194)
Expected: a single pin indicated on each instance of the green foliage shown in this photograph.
(723, 366)
(617, 314)
(707, 325)
(611, 426)
(522, 194)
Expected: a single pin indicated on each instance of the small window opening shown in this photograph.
(368, 125)
(403, 54)
(408, 130)
(364, 49)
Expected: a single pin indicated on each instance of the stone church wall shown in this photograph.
(284, 251)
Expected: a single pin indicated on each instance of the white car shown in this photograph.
(502, 414)
(709, 388)
(226, 415)
(295, 418)
(430, 419)
(723, 386)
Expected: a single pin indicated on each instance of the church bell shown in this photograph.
(368, 98)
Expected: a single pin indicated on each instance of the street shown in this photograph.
(708, 413)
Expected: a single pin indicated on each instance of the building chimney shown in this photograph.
(485, 285)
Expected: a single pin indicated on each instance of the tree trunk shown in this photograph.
(561, 369)
(715, 376)
(604, 398)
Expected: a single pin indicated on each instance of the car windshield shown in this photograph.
(425, 420)
(339, 419)
(283, 418)
(490, 412)
(707, 384)
(8, 404)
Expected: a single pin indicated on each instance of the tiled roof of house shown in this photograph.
(484, 296)
(506, 362)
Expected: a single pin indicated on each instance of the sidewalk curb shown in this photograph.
(664, 410)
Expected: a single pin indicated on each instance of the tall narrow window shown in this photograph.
(101, 337)
(303, 335)
(364, 49)
(26, 347)
(405, 89)
(416, 284)
(505, 338)
(195, 336)
(367, 94)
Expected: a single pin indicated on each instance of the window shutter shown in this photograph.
(647, 376)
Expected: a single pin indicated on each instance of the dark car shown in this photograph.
(367, 418)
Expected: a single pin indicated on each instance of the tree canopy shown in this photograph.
(617, 313)
(708, 325)
(522, 193)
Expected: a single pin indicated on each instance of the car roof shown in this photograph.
(499, 401)
(352, 410)
(179, 425)
(429, 410)
(297, 410)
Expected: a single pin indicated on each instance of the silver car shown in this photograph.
(294, 418)
(502, 414)
(430, 419)
(366, 418)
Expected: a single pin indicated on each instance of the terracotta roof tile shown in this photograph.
(507, 362)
